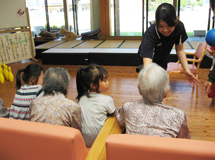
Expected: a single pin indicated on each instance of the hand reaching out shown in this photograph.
(191, 78)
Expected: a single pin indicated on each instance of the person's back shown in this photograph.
(150, 116)
(33, 78)
(54, 107)
(94, 114)
(154, 120)
(95, 106)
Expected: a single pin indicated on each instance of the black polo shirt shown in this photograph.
(156, 46)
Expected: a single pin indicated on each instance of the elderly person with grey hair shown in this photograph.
(54, 107)
(149, 116)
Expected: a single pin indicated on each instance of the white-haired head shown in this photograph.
(153, 83)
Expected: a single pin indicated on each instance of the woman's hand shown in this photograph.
(191, 78)
(207, 87)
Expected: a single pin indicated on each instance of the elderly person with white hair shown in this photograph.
(54, 107)
(149, 116)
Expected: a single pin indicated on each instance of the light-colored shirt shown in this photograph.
(56, 109)
(154, 120)
(94, 114)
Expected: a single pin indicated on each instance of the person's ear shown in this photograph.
(166, 93)
(139, 89)
(32, 80)
(67, 91)
(92, 86)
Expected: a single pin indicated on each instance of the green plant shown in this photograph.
(54, 27)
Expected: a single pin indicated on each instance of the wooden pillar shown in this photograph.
(104, 17)
(66, 15)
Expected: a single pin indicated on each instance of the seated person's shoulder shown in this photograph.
(103, 97)
(134, 103)
(71, 102)
(175, 111)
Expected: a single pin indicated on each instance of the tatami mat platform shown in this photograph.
(103, 52)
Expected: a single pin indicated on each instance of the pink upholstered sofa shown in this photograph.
(39, 141)
(139, 147)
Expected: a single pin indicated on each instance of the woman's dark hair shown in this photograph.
(56, 79)
(87, 76)
(32, 69)
(166, 12)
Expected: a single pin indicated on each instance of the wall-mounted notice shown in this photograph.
(15, 47)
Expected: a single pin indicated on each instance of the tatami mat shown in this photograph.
(131, 44)
(195, 43)
(49, 44)
(89, 44)
(104, 44)
(186, 45)
(110, 44)
(70, 44)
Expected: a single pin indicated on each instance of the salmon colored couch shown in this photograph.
(39, 141)
(139, 147)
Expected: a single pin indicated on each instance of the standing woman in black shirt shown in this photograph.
(159, 39)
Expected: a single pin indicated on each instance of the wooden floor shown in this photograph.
(123, 88)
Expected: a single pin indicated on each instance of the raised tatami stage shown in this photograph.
(103, 52)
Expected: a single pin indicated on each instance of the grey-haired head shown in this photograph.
(56, 79)
(153, 83)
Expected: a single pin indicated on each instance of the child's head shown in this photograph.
(91, 79)
(32, 74)
(153, 83)
(56, 79)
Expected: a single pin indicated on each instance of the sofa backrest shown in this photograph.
(39, 141)
(140, 147)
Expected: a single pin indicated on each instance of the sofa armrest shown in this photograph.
(98, 149)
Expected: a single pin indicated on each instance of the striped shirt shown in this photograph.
(22, 100)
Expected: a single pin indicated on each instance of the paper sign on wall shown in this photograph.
(15, 47)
